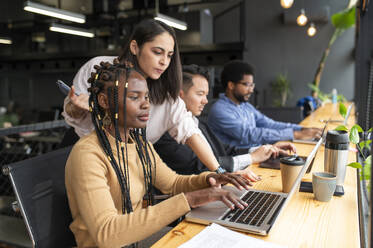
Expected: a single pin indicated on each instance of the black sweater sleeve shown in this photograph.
(178, 157)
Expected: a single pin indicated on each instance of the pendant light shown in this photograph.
(286, 3)
(311, 31)
(302, 18)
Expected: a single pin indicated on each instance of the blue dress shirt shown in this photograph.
(243, 126)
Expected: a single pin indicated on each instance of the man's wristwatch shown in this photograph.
(220, 170)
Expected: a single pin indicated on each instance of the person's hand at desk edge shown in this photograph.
(216, 193)
(308, 133)
(285, 148)
(263, 153)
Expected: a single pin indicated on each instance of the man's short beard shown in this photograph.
(240, 98)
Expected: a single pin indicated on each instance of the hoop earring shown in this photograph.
(106, 121)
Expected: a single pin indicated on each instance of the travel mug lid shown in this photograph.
(292, 160)
(337, 137)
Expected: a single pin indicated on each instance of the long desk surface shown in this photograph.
(304, 222)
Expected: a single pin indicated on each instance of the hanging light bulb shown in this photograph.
(302, 18)
(311, 31)
(286, 3)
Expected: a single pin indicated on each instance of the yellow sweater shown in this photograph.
(95, 197)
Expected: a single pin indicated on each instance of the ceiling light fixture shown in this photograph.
(169, 20)
(6, 41)
(53, 12)
(302, 18)
(286, 3)
(311, 31)
(71, 30)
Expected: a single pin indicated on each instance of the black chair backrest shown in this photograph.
(285, 114)
(39, 185)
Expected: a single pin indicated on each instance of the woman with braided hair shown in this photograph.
(153, 49)
(110, 171)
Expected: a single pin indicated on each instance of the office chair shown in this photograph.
(285, 114)
(39, 186)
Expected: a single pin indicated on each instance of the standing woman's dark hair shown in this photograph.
(169, 83)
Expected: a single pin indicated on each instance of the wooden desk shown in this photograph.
(304, 222)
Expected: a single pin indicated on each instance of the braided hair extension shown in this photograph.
(109, 75)
(119, 142)
(96, 87)
(139, 136)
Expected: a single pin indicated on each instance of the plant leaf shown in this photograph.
(362, 144)
(314, 87)
(359, 129)
(355, 165)
(368, 161)
(321, 95)
(341, 98)
(342, 110)
(341, 128)
(367, 143)
(354, 135)
(364, 177)
(344, 19)
(370, 130)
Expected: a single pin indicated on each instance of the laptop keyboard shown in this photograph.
(259, 206)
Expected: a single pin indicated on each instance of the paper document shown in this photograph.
(216, 236)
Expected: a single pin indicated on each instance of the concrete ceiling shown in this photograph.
(100, 12)
(86, 6)
(108, 18)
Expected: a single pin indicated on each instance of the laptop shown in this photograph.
(315, 140)
(264, 207)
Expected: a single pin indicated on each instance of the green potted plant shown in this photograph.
(358, 137)
(281, 88)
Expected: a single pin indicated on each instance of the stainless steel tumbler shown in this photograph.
(336, 154)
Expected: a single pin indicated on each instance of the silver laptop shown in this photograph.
(346, 117)
(261, 213)
(315, 140)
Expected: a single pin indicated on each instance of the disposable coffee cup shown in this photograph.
(290, 167)
(323, 185)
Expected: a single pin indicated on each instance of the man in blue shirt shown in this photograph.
(236, 122)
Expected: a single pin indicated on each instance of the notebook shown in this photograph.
(274, 163)
(262, 211)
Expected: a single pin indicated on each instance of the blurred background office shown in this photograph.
(261, 32)
(34, 54)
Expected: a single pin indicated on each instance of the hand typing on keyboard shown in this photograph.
(308, 133)
(284, 148)
(216, 193)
